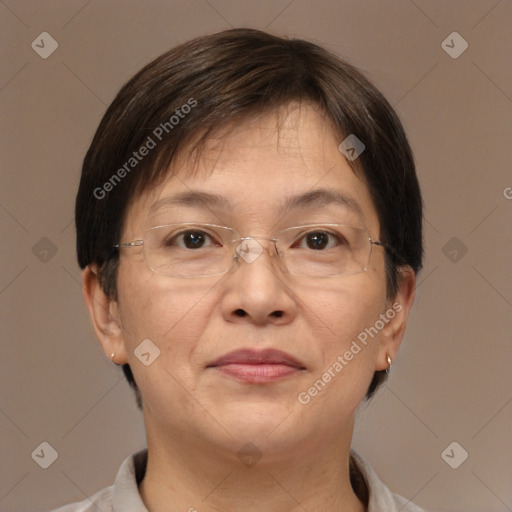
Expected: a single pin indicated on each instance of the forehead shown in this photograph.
(260, 171)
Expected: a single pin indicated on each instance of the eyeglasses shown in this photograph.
(192, 250)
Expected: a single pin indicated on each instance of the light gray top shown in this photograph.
(124, 495)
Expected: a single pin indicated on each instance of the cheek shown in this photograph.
(344, 309)
(343, 317)
(173, 315)
(169, 312)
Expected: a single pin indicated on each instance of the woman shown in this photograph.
(249, 225)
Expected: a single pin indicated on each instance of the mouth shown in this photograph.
(257, 366)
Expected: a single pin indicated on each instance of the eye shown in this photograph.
(192, 239)
(318, 240)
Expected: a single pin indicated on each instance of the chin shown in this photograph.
(266, 424)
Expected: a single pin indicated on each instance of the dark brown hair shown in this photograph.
(224, 78)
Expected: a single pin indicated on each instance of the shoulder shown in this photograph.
(405, 505)
(123, 495)
(380, 496)
(102, 500)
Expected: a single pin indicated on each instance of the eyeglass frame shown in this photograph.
(236, 257)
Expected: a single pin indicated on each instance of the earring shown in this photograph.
(388, 369)
(112, 357)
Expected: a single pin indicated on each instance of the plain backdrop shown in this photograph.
(451, 382)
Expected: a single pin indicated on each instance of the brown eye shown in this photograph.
(194, 239)
(317, 240)
(191, 239)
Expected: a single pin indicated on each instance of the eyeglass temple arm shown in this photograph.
(129, 244)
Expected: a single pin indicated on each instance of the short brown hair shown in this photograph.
(232, 75)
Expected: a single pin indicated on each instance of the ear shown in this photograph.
(104, 314)
(395, 318)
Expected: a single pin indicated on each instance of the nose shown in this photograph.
(256, 288)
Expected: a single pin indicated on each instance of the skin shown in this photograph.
(197, 419)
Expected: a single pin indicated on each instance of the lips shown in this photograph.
(257, 366)
(255, 357)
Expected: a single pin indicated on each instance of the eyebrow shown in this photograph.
(191, 198)
(321, 197)
(312, 198)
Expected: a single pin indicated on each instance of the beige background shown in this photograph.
(452, 380)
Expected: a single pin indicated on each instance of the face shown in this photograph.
(199, 386)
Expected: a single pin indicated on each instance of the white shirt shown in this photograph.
(124, 495)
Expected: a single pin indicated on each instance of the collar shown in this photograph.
(126, 496)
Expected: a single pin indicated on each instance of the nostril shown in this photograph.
(277, 314)
(240, 312)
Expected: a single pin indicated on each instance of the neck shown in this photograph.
(184, 474)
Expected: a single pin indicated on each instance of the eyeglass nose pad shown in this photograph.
(249, 249)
